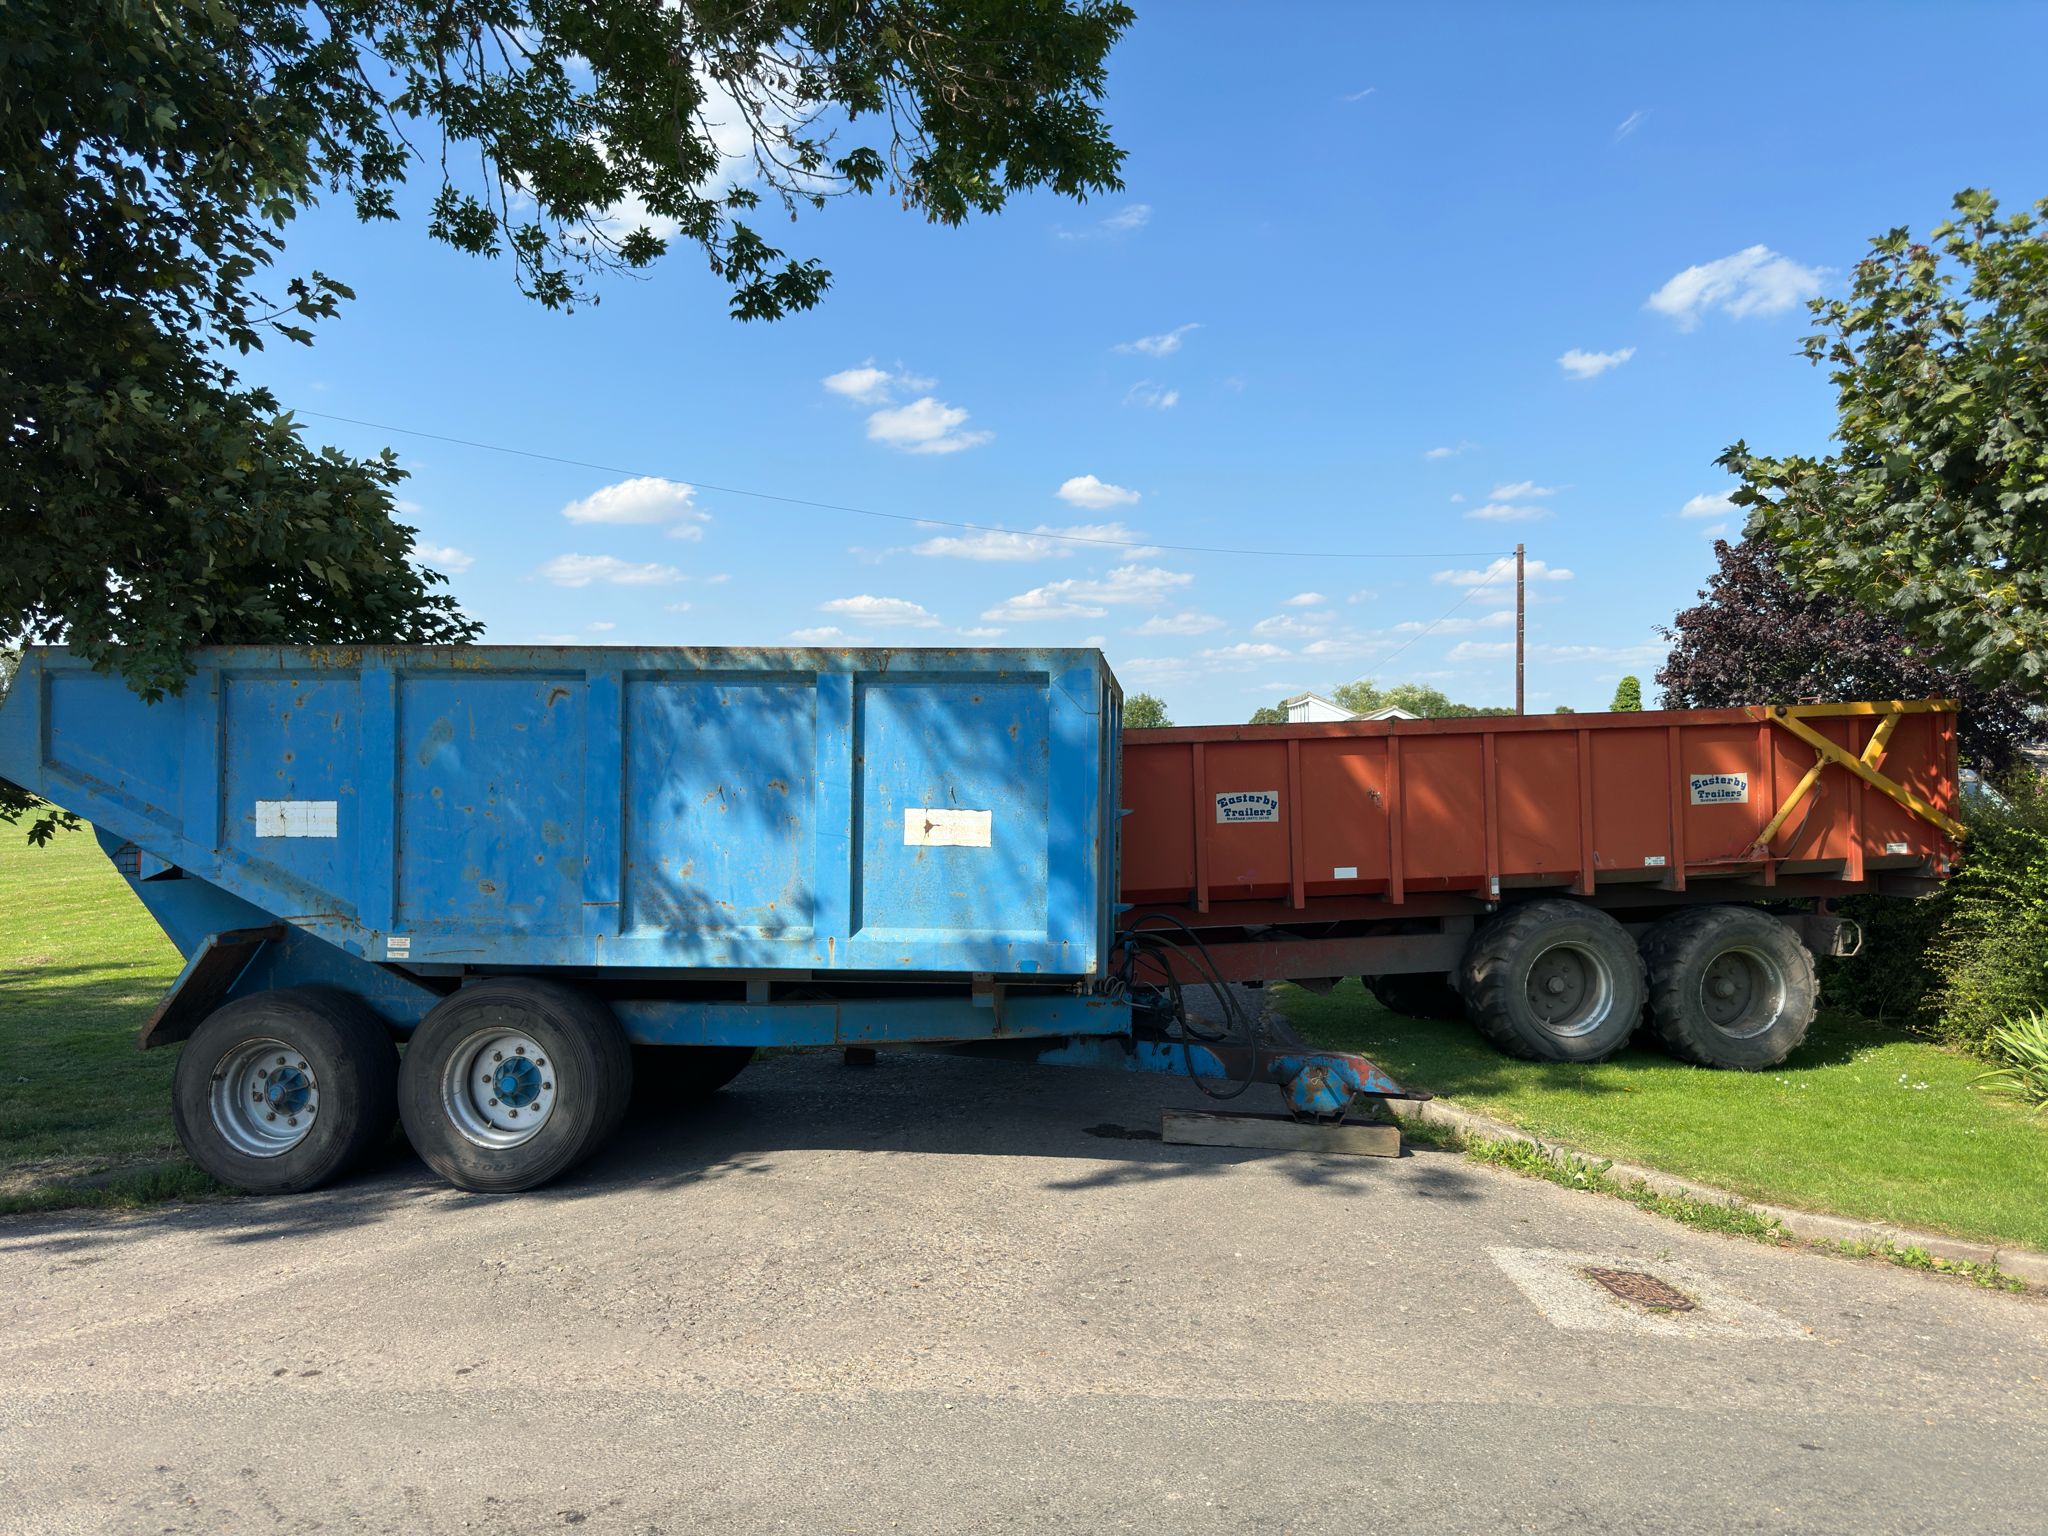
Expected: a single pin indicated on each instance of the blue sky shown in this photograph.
(1393, 286)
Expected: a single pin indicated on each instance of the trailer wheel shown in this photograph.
(1554, 980)
(1729, 987)
(1417, 996)
(282, 1091)
(665, 1075)
(508, 1083)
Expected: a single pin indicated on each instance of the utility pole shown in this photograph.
(1521, 607)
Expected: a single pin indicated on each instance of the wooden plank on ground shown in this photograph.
(1277, 1133)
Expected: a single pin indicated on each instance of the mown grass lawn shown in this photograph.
(1860, 1122)
(85, 1118)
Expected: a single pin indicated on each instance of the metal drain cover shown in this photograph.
(1640, 1289)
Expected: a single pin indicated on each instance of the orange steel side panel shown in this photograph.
(1302, 814)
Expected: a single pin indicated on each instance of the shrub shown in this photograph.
(2022, 1045)
(1990, 957)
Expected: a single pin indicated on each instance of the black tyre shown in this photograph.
(666, 1075)
(508, 1083)
(1554, 980)
(1729, 987)
(1423, 995)
(285, 1090)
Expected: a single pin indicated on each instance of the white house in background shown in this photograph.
(1313, 708)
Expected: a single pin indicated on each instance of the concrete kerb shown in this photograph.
(1808, 1226)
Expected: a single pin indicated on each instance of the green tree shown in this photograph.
(1934, 510)
(1364, 696)
(1145, 712)
(1628, 695)
(1269, 714)
(151, 157)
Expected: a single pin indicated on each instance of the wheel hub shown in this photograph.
(1569, 990)
(500, 1087)
(1742, 992)
(265, 1098)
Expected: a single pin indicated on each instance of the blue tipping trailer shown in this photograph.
(524, 861)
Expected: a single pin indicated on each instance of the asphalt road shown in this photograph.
(934, 1296)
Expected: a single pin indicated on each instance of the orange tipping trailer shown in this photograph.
(1390, 849)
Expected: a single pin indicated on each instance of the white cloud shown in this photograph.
(980, 632)
(1082, 598)
(1362, 595)
(1754, 281)
(601, 625)
(582, 570)
(445, 558)
(1590, 365)
(717, 581)
(1096, 495)
(1245, 651)
(1501, 570)
(1488, 650)
(1708, 504)
(1456, 625)
(823, 634)
(675, 607)
(648, 499)
(867, 386)
(1461, 446)
(1041, 543)
(1130, 217)
(1361, 95)
(1305, 600)
(1714, 531)
(1293, 626)
(898, 612)
(1508, 512)
(1520, 489)
(1163, 345)
(1187, 622)
(926, 425)
(1630, 124)
(1151, 396)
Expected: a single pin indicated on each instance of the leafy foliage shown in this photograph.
(1935, 509)
(1145, 712)
(2021, 1046)
(1755, 637)
(153, 155)
(1628, 695)
(1365, 696)
(1268, 714)
(1990, 958)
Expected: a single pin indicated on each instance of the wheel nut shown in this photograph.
(263, 1071)
(497, 1055)
(547, 1087)
(293, 1121)
(494, 1103)
(519, 1050)
(280, 1061)
(270, 1116)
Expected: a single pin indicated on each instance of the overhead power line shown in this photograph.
(910, 517)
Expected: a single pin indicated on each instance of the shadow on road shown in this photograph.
(1095, 1129)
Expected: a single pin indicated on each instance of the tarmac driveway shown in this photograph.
(949, 1296)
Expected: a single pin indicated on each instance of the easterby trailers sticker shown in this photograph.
(1720, 789)
(1248, 805)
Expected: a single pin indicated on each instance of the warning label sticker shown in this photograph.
(1248, 805)
(1720, 789)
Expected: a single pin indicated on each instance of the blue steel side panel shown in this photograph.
(958, 745)
(522, 808)
(491, 811)
(297, 737)
(719, 836)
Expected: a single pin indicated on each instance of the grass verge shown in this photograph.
(85, 1118)
(1860, 1122)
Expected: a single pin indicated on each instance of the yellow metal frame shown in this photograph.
(1793, 717)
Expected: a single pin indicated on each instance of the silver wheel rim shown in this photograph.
(1570, 989)
(1742, 992)
(499, 1089)
(265, 1098)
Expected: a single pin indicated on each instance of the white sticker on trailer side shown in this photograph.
(1720, 789)
(939, 826)
(1248, 805)
(295, 818)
